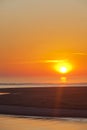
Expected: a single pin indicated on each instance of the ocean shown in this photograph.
(12, 122)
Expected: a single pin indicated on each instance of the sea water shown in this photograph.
(9, 122)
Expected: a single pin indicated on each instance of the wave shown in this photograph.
(16, 85)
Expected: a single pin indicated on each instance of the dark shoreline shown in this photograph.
(46, 101)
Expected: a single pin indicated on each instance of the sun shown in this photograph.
(63, 67)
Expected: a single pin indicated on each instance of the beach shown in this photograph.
(32, 123)
(45, 101)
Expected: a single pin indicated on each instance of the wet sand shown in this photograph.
(46, 101)
(14, 123)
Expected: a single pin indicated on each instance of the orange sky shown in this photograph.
(32, 32)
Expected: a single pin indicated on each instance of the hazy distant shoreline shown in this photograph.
(45, 101)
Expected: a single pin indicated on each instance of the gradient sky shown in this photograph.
(32, 31)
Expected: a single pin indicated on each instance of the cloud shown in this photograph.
(53, 61)
(38, 61)
(79, 53)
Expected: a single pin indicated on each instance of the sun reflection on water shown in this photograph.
(63, 79)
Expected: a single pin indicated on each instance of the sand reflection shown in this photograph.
(11, 123)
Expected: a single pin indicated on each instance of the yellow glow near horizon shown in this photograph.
(63, 67)
(63, 79)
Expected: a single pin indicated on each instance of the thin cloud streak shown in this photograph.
(38, 61)
(78, 53)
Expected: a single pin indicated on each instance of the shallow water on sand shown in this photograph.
(37, 123)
